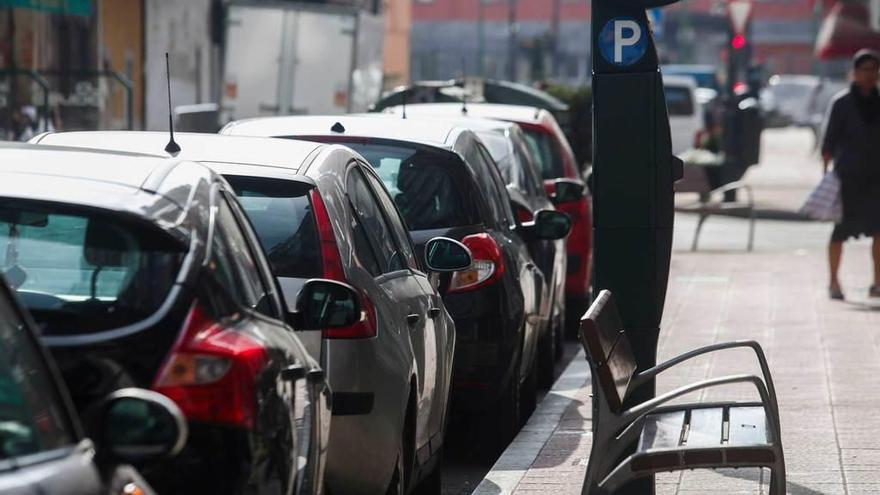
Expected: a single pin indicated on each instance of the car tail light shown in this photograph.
(524, 215)
(211, 372)
(333, 270)
(698, 139)
(487, 267)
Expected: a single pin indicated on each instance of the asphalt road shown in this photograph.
(461, 471)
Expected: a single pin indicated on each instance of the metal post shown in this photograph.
(511, 40)
(633, 174)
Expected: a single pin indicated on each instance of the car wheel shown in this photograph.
(529, 395)
(433, 482)
(546, 357)
(501, 422)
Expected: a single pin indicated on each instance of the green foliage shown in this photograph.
(580, 131)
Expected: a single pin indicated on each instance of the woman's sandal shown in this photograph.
(835, 293)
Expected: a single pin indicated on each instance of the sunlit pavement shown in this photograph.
(824, 355)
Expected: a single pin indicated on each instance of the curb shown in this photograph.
(520, 455)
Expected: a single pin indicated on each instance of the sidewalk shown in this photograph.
(824, 355)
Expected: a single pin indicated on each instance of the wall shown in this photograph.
(181, 28)
(398, 22)
(122, 50)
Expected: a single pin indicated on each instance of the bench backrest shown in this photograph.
(608, 349)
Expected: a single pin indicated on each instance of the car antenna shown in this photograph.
(405, 97)
(464, 94)
(172, 148)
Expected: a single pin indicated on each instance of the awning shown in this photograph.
(81, 8)
(845, 31)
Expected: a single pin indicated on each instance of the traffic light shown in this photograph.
(738, 42)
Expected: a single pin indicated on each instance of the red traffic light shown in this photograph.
(738, 42)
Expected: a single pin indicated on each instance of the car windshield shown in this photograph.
(679, 101)
(545, 154)
(283, 219)
(432, 189)
(83, 272)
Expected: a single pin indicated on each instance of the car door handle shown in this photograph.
(293, 373)
(434, 313)
(413, 319)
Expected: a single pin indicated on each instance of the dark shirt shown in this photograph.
(853, 144)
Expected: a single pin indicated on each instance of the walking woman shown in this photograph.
(852, 142)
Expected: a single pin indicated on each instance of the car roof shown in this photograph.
(149, 187)
(497, 111)
(430, 132)
(462, 119)
(676, 80)
(287, 153)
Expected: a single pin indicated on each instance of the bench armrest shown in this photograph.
(736, 186)
(639, 411)
(644, 376)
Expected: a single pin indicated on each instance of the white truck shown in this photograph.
(298, 58)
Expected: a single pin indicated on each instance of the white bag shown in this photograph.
(825, 203)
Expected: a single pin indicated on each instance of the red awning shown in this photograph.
(845, 31)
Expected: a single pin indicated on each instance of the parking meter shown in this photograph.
(633, 175)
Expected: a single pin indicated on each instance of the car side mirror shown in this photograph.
(567, 191)
(443, 255)
(326, 304)
(135, 425)
(549, 225)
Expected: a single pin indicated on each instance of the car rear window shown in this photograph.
(432, 189)
(81, 272)
(679, 101)
(545, 153)
(283, 218)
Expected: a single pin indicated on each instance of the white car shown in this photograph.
(685, 111)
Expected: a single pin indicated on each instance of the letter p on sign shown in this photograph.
(623, 41)
(626, 33)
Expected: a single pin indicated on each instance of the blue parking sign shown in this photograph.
(623, 41)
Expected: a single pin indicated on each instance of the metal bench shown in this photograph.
(653, 437)
(711, 201)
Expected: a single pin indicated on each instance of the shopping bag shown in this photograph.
(824, 203)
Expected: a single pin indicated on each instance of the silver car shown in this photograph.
(322, 212)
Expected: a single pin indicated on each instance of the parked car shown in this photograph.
(445, 183)
(686, 120)
(555, 160)
(786, 99)
(44, 447)
(145, 272)
(507, 145)
(320, 212)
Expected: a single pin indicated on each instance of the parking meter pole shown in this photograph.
(634, 172)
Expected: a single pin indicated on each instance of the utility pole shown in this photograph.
(512, 29)
(481, 37)
(556, 36)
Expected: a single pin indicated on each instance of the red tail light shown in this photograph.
(524, 215)
(488, 265)
(333, 270)
(211, 372)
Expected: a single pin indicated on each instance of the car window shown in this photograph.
(545, 154)
(491, 184)
(283, 218)
(32, 417)
(433, 189)
(679, 101)
(531, 181)
(375, 227)
(82, 271)
(398, 226)
(235, 264)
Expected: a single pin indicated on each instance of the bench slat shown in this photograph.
(705, 427)
(748, 426)
(662, 431)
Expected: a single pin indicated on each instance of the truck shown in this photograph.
(297, 58)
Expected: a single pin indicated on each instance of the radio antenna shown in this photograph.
(464, 89)
(172, 148)
(405, 98)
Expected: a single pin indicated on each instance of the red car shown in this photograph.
(555, 159)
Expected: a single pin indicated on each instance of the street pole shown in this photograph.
(481, 37)
(556, 36)
(511, 40)
(633, 175)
